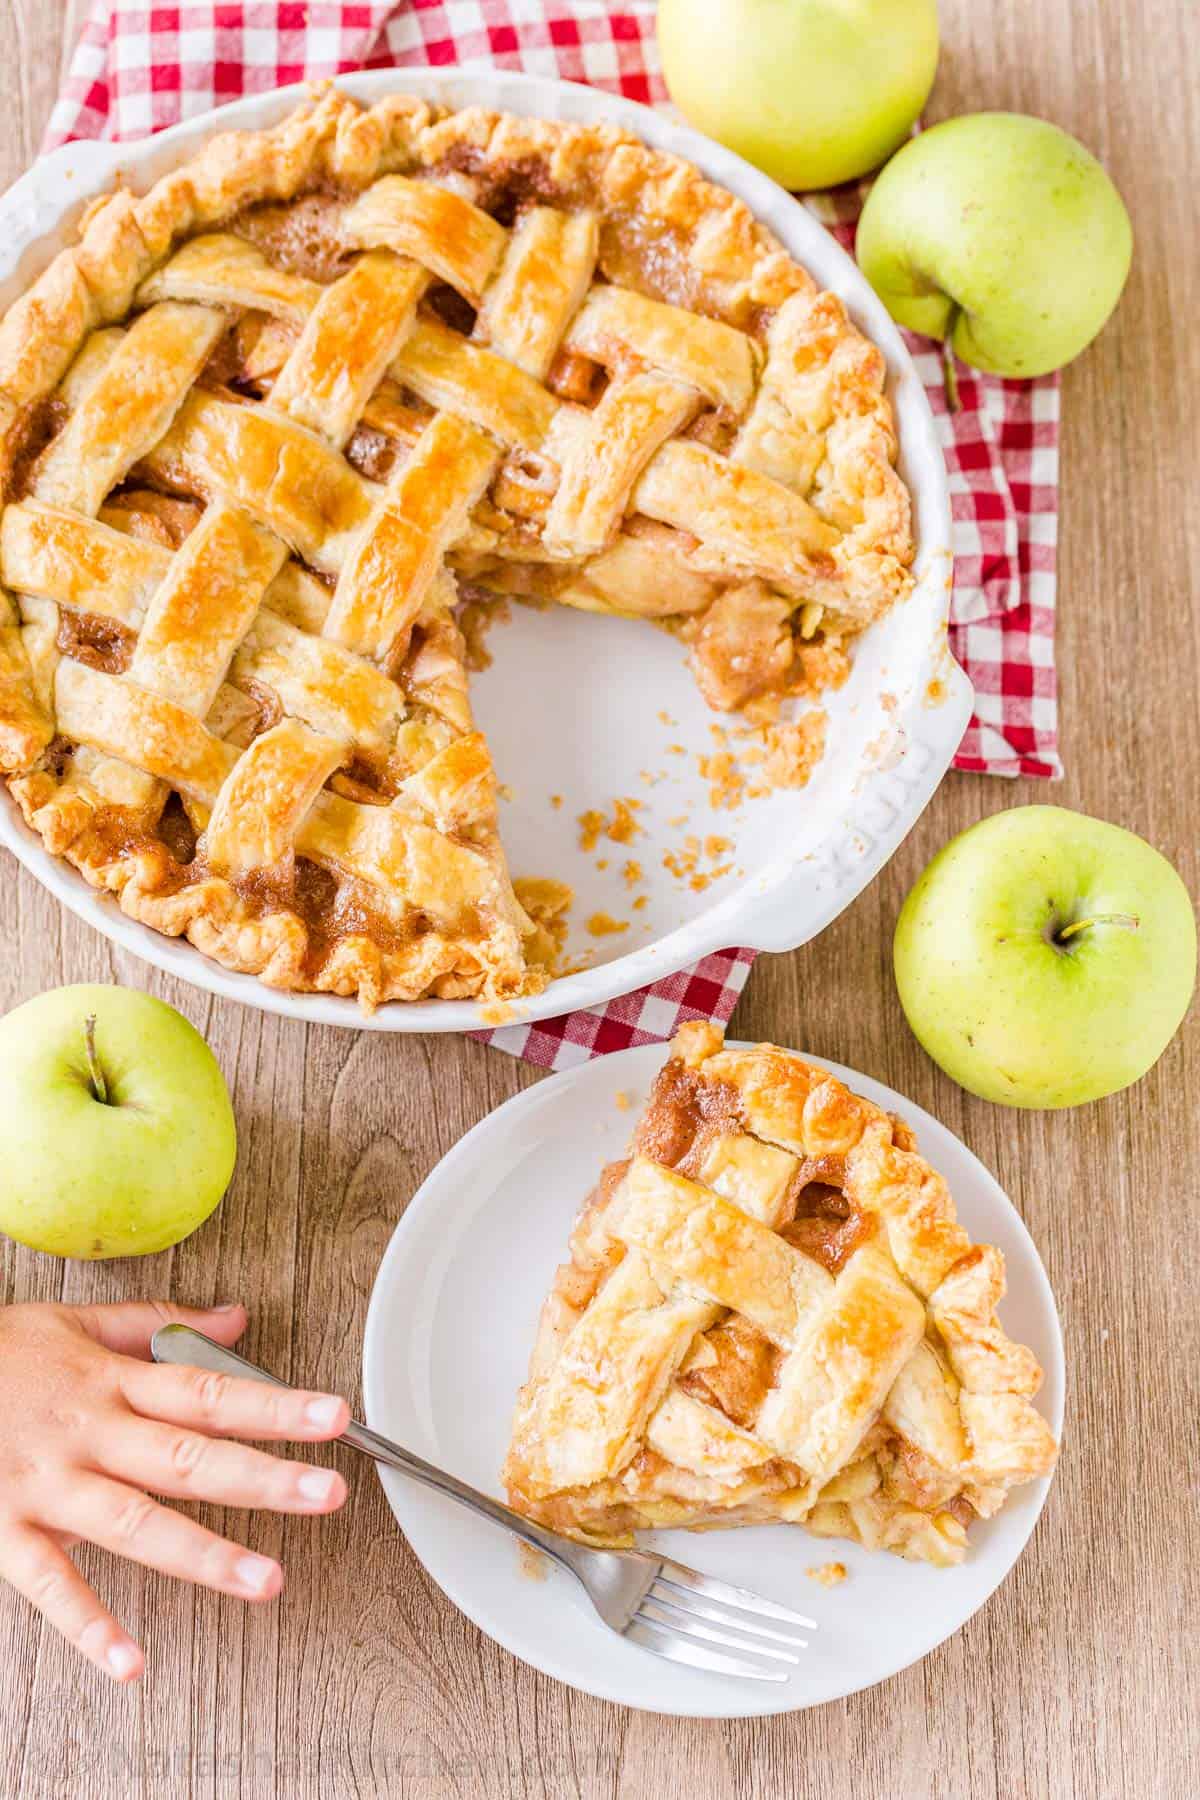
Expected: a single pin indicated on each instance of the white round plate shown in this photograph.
(449, 1331)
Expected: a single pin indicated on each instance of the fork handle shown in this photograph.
(180, 1345)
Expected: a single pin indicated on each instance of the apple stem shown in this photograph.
(949, 372)
(95, 1073)
(1126, 921)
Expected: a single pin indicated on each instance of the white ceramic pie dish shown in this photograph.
(588, 708)
(452, 1321)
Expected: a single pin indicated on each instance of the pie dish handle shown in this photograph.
(897, 798)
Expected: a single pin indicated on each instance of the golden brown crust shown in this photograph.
(772, 1312)
(272, 941)
(737, 268)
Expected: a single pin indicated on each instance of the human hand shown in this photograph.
(90, 1425)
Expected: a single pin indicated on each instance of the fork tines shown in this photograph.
(681, 1575)
(684, 1611)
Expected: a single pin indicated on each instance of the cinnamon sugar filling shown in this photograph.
(92, 639)
(687, 1109)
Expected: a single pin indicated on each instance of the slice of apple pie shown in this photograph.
(771, 1312)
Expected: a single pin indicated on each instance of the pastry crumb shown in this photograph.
(622, 828)
(556, 801)
(794, 750)
(601, 924)
(497, 1012)
(547, 902)
(829, 1574)
(576, 965)
(781, 753)
(624, 1099)
(704, 878)
(684, 864)
(533, 1563)
(886, 750)
(720, 769)
(632, 873)
(591, 824)
(665, 718)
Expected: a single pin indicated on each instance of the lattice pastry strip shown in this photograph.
(452, 374)
(296, 485)
(203, 608)
(820, 1383)
(633, 420)
(614, 325)
(86, 566)
(438, 228)
(221, 269)
(348, 340)
(551, 254)
(141, 729)
(266, 797)
(388, 574)
(128, 406)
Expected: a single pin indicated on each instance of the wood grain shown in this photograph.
(1077, 1678)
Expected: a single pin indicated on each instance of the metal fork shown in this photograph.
(649, 1600)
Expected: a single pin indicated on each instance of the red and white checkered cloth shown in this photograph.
(140, 66)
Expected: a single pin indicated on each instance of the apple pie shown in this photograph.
(267, 428)
(772, 1313)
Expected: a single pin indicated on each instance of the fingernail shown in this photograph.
(255, 1573)
(317, 1484)
(228, 1306)
(323, 1413)
(122, 1660)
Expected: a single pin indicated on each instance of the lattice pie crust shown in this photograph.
(772, 1313)
(261, 423)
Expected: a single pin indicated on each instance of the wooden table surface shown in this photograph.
(1075, 1679)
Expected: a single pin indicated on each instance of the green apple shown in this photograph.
(116, 1123)
(1000, 235)
(1045, 958)
(813, 91)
